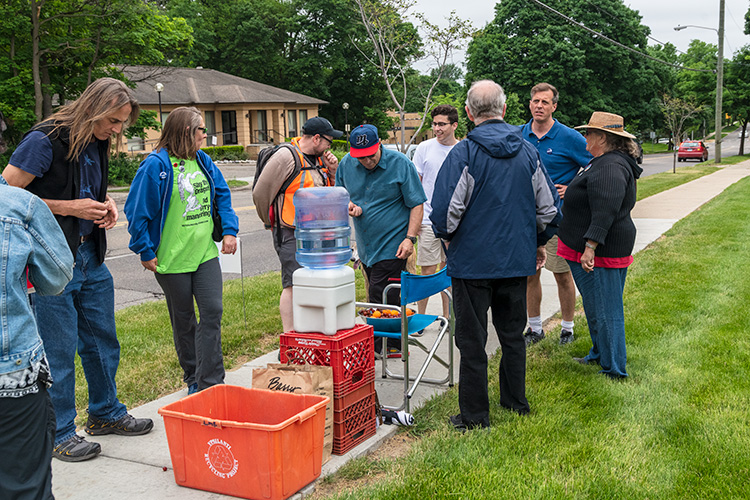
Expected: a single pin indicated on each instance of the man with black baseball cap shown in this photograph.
(275, 206)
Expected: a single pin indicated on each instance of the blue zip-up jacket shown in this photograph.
(31, 238)
(148, 201)
(493, 202)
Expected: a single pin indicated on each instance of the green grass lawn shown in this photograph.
(677, 428)
(650, 148)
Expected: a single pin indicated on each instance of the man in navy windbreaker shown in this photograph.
(493, 203)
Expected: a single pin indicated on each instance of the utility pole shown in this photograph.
(719, 83)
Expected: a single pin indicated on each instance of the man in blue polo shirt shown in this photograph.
(563, 152)
(386, 205)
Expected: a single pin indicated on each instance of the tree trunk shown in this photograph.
(46, 96)
(36, 7)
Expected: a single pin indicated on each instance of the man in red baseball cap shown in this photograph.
(386, 205)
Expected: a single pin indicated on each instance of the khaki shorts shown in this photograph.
(555, 263)
(430, 250)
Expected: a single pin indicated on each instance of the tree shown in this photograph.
(677, 112)
(737, 82)
(526, 44)
(395, 45)
(306, 46)
(52, 49)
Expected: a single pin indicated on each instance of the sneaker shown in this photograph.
(566, 337)
(76, 449)
(533, 337)
(458, 423)
(585, 361)
(192, 389)
(417, 334)
(125, 426)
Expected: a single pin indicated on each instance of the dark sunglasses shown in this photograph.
(330, 142)
(203, 129)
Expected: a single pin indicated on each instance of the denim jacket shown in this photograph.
(30, 237)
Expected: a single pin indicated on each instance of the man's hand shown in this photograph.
(541, 257)
(331, 163)
(405, 249)
(150, 264)
(354, 210)
(561, 188)
(87, 209)
(110, 219)
(228, 244)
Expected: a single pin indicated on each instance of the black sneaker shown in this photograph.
(128, 425)
(458, 423)
(532, 337)
(76, 449)
(566, 337)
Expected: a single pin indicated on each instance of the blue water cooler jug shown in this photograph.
(323, 292)
(322, 227)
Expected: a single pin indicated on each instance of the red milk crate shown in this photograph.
(366, 391)
(351, 354)
(354, 424)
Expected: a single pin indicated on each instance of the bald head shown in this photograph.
(485, 100)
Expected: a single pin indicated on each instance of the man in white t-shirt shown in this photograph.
(428, 159)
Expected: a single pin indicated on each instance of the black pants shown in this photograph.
(379, 276)
(471, 301)
(198, 344)
(27, 431)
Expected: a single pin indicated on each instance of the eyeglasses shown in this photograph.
(330, 142)
(203, 129)
(440, 124)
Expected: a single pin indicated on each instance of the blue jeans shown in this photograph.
(82, 318)
(601, 290)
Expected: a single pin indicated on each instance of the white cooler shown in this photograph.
(323, 299)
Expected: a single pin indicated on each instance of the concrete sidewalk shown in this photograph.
(140, 467)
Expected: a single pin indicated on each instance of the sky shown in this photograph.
(660, 15)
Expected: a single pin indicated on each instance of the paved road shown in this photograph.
(132, 285)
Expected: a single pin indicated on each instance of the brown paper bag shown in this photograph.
(301, 379)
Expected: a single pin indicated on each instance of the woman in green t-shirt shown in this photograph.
(169, 210)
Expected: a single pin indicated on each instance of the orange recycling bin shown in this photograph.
(249, 443)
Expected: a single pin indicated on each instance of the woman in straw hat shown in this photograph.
(597, 236)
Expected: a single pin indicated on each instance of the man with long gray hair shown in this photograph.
(64, 161)
(493, 202)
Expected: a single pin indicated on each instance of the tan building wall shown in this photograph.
(412, 122)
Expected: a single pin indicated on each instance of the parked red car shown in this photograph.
(694, 150)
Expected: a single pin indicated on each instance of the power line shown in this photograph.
(642, 54)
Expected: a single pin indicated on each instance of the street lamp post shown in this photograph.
(346, 118)
(159, 87)
(719, 77)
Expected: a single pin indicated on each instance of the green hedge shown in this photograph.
(226, 153)
(122, 168)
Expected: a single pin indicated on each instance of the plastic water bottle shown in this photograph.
(322, 227)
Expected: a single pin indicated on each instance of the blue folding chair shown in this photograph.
(415, 288)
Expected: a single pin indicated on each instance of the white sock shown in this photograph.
(535, 324)
(567, 325)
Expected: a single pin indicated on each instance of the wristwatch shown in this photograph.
(413, 239)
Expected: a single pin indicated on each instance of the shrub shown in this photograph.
(122, 168)
(231, 153)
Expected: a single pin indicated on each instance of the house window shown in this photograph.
(229, 126)
(211, 128)
(302, 116)
(291, 117)
(262, 126)
(136, 144)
